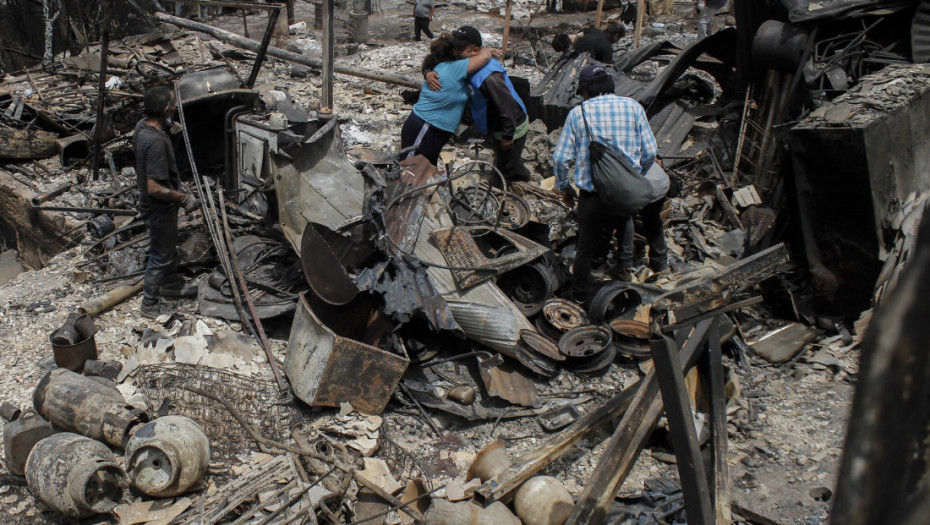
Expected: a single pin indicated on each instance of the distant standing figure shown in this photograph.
(160, 197)
(706, 9)
(422, 14)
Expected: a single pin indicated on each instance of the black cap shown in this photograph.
(592, 72)
(465, 35)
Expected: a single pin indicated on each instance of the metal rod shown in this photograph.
(234, 262)
(108, 211)
(266, 39)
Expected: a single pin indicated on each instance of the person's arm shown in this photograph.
(481, 59)
(432, 9)
(161, 192)
(496, 90)
(647, 141)
(562, 158)
(432, 80)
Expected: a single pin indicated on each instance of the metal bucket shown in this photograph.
(74, 356)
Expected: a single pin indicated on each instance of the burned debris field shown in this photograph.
(235, 287)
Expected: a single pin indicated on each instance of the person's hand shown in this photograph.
(432, 80)
(496, 53)
(190, 203)
(506, 143)
(175, 128)
(568, 196)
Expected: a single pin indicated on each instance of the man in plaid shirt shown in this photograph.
(621, 124)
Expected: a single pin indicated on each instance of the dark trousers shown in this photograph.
(421, 24)
(593, 217)
(162, 268)
(428, 139)
(653, 230)
(510, 161)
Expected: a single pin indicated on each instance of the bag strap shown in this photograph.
(586, 127)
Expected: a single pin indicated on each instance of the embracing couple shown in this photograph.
(458, 71)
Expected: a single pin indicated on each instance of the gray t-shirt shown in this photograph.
(423, 8)
(154, 160)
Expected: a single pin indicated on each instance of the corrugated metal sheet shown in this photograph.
(920, 33)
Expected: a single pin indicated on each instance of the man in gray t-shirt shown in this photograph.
(422, 14)
(160, 196)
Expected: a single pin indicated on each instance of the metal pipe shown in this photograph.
(49, 195)
(101, 85)
(232, 181)
(108, 211)
(326, 96)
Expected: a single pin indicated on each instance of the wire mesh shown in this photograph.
(259, 401)
(402, 464)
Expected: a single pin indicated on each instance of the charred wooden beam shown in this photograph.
(21, 144)
(263, 49)
(627, 440)
(501, 486)
(740, 275)
(314, 62)
(694, 486)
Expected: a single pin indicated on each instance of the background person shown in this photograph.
(598, 42)
(160, 195)
(422, 15)
(706, 9)
(621, 124)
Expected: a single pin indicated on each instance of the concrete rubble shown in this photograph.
(377, 340)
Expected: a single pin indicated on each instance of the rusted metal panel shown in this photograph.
(462, 250)
(503, 381)
(326, 369)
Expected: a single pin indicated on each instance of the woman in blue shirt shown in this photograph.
(437, 113)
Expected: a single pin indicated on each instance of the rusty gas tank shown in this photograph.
(167, 456)
(90, 406)
(75, 475)
(20, 435)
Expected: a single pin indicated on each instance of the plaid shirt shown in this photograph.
(618, 122)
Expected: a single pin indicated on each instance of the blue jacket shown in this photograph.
(506, 110)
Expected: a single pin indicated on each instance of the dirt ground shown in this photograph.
(788, 424)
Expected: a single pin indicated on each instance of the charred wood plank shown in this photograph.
(718, 416)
